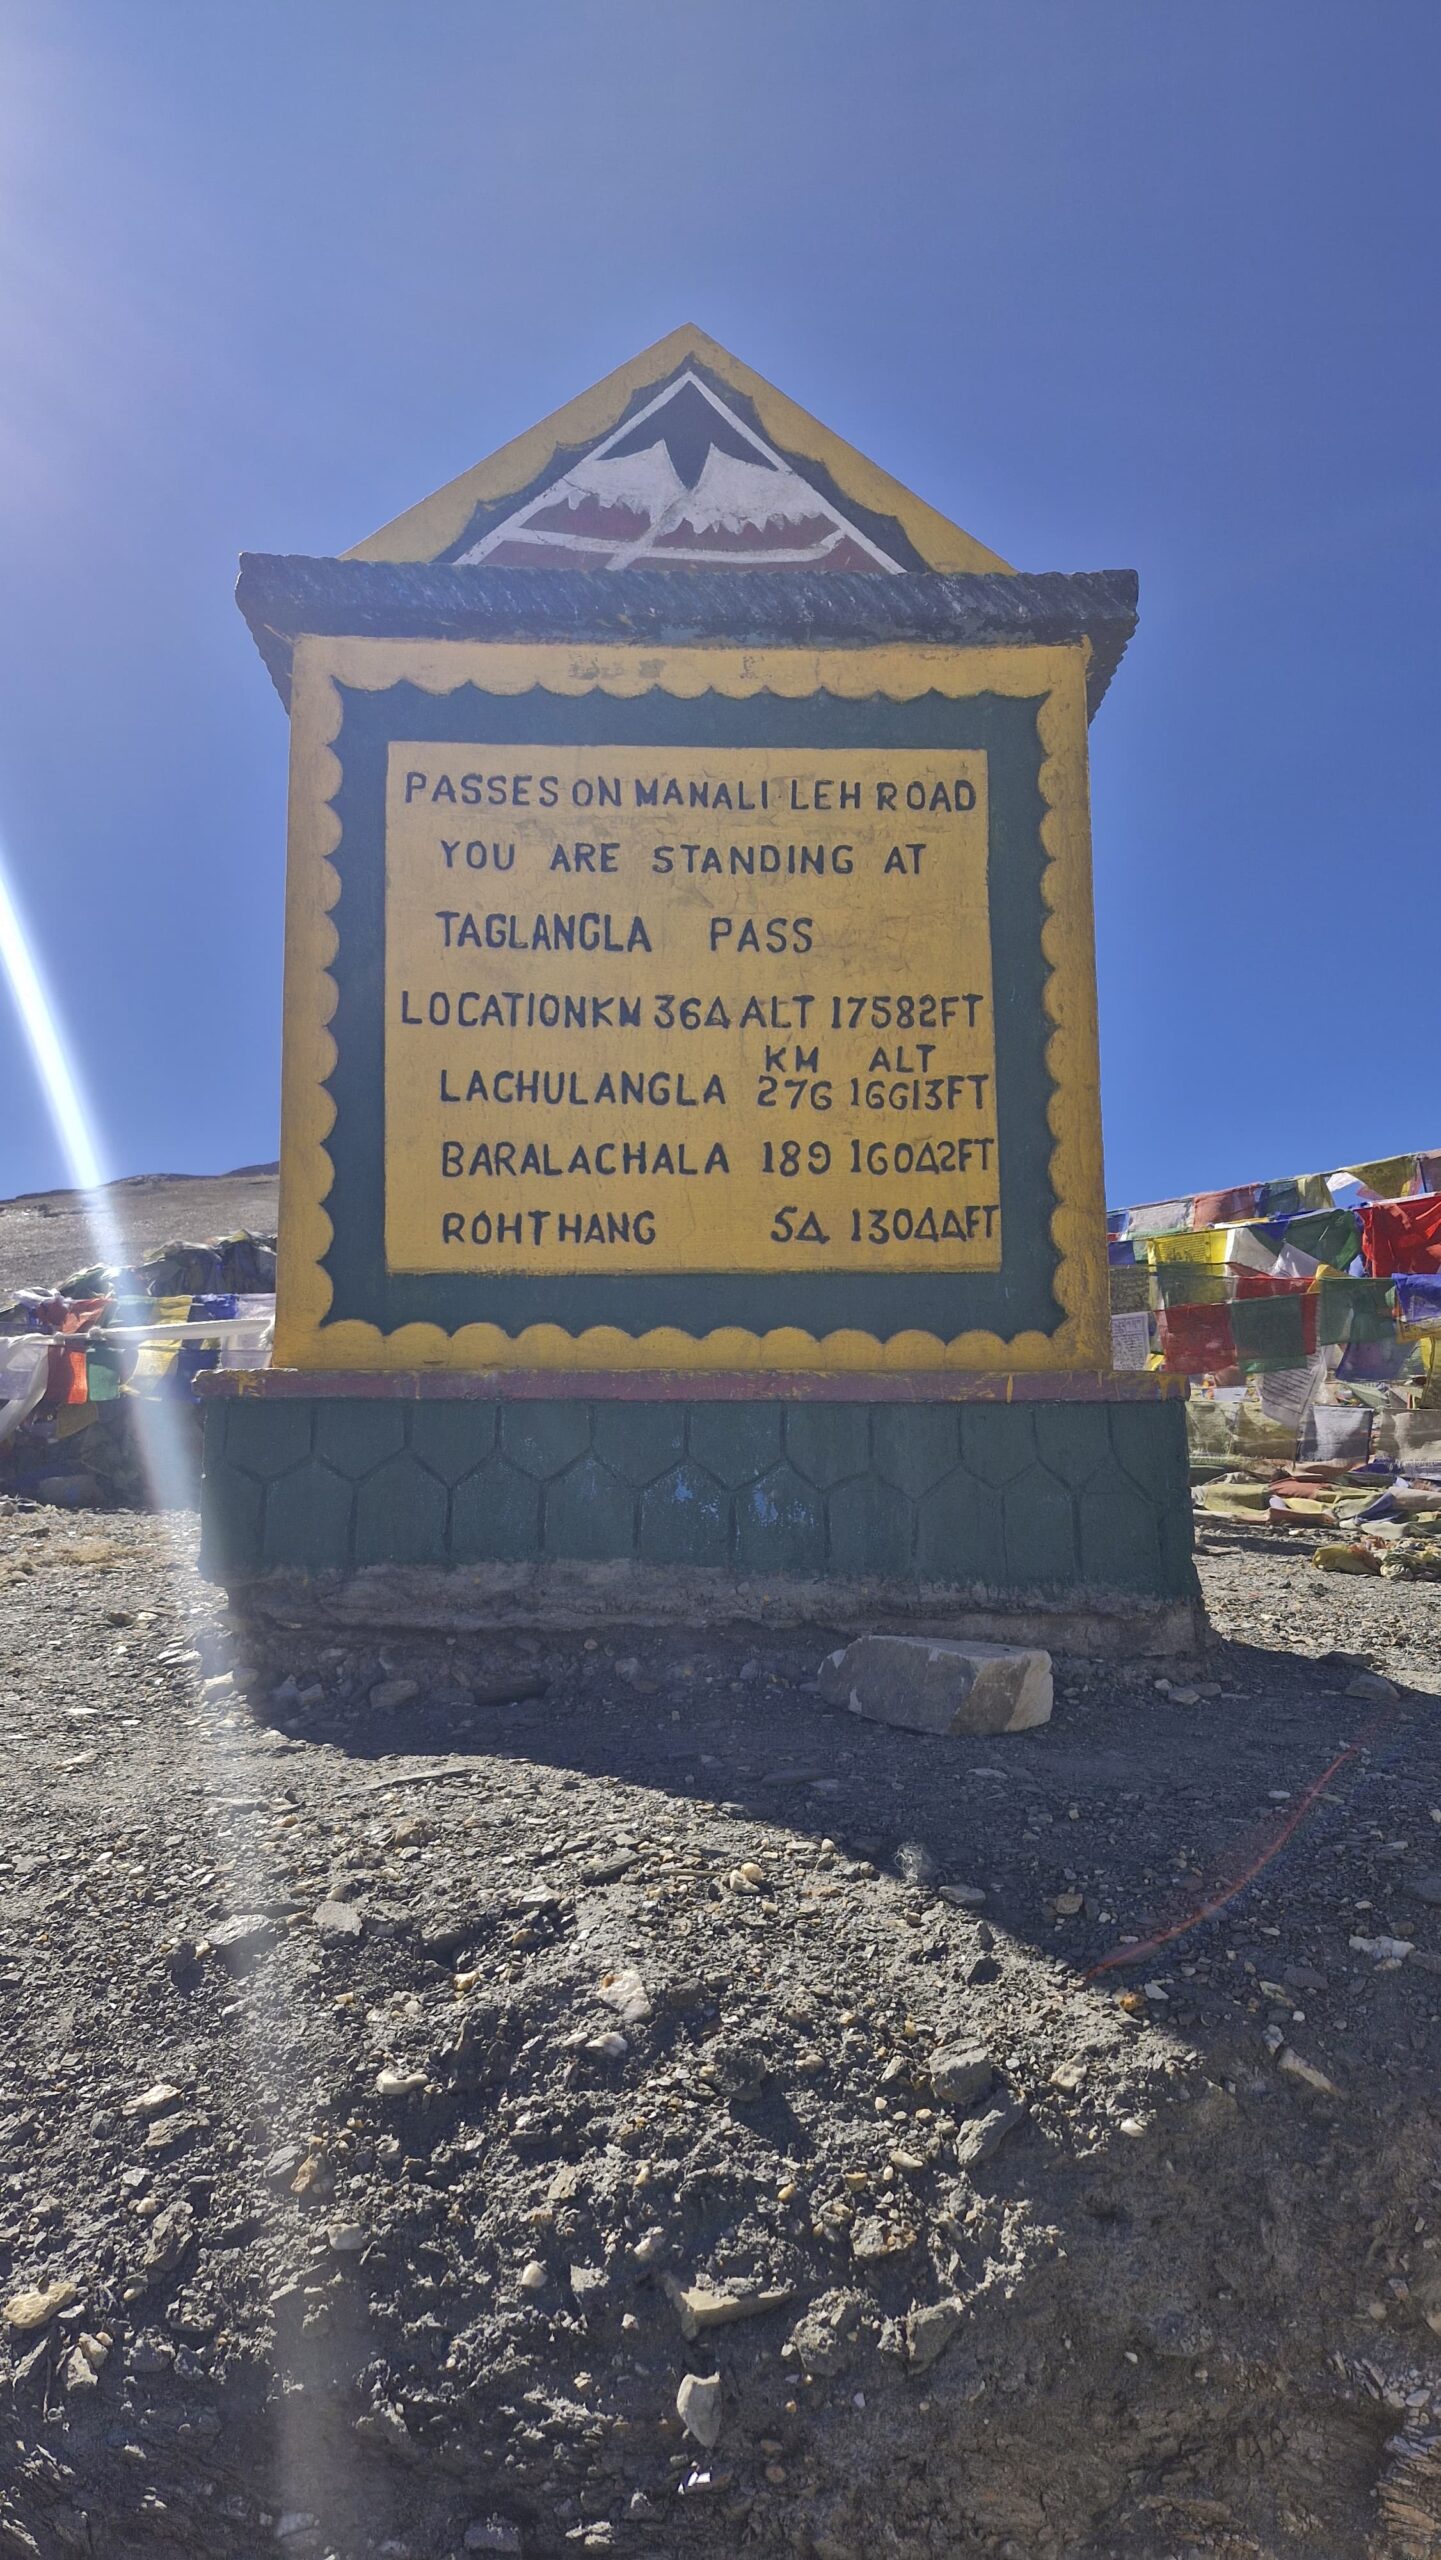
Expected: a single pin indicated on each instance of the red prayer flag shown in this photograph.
(1401, 1235)
(1197, 1340)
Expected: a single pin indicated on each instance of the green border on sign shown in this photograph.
(1018, 1298)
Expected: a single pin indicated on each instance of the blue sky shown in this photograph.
(1112, 283)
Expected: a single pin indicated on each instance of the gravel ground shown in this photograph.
(534, 2097)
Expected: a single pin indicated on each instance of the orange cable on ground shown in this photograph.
(1218, 1901)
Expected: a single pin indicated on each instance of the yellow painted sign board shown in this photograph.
(700, 1006)
(709, 1009)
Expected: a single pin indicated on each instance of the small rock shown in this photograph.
(590, 2287)
(824, 2336)
(534, 2276)
(155, 2101)
(609, 1870)
(1069, 2078)
(1297, 2068)
(170, 2236)
(347, 2239)
(698, 2407)
(979, 2140)
(1374, 1687)
(1383, 1950)
(391, 2083)
(241, 1942)
(934, 1684)
(393, 1693)
(1304, 1977)
(82, 2372)
(1426, 1888)
(874, 2241)
(337, 1923)
(963, 1897)
(627, 1995)
(508, 1691)
(930, 2328)
(36, 2307)
(385, 2426)
(915, 1863)
(1068, 1906)
(961, 2073)
(173, 2132)
(704, 2306)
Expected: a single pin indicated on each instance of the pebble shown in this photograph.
(627, 1995)
(170, 2235)
(873, 2241)
(611, 2047)
(82, 2373)
(704, 2306)
(338, 1922)
(961, 2073)
(391, 2083)
(1374, 1687)
(1296, 2067)
(393, 1693)
(929, 2331)
(1304, 1977)
(155, 2101)
(169, 2132)
(979, 2140)
(698, 2407)
(36, 2307)
(915, 1863)
(240, 1942)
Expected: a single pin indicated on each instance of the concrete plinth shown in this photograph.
(1036, 1508)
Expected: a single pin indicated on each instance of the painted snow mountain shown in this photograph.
(682, 457)
(684, 480)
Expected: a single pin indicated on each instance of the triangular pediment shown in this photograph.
(682, 458)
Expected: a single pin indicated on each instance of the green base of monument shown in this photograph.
(1050, 1501)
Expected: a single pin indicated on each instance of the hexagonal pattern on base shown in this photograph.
(1026, 1497)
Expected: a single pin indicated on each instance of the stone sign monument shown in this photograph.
(691, 1197)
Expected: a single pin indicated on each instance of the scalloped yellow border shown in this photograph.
(303, 1339)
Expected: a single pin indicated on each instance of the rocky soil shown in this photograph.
(530, 2097)
(45, 1235)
